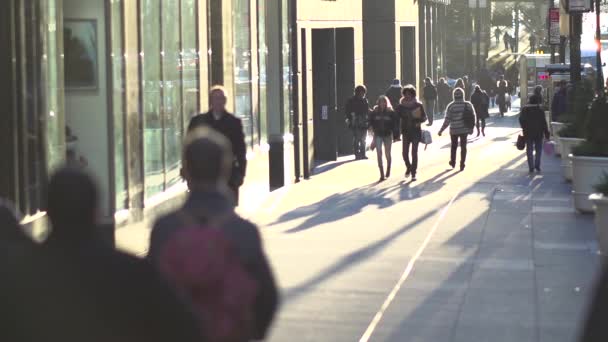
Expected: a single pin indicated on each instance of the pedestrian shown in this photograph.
(430, 99)
(412, 114)
(241, 294)
(459, 84)
(357, 110)
(509, 95)
(532, 41)
(467, 88)
(506, 38)
(444, 93)
(501, 95)
(481, 103)
(538, 92)
(559, 104)
(492, 95)
(94, 292)
(231, 127)
(497, 33)
(394, 92)
(460, 117)
(534, 125)
(513, 44)
(383, 121)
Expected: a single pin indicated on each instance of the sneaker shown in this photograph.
(452, 164)
(462, 167)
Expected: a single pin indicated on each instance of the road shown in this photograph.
(488, 254)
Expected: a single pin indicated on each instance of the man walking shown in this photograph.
(506, 38)
(532, 41)
(430, 99)
(394, 92)
(497, 33)
(206, 160)
(357, 110)
(231, 127)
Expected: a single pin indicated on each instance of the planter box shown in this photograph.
(600, 203)
(566, 145)
(556, 127)
(587, 172)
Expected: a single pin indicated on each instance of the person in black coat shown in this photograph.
(75, 287)
(231, 127)
(534, 125)
(394, 92)
(430, 99)
(203, 155)
(481, 102)
(356, 112)
(411, 113)
(444, 93)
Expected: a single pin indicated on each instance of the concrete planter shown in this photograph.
(600, 203)
(587, 172)
(566, 145)
(556, 127)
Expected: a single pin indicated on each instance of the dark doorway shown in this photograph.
(408, 55)
(345, 71)
(324, 93)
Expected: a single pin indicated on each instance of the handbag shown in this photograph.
(549, 147)
(521, 142)
(426, 138)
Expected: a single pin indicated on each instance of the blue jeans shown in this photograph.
(534, 145)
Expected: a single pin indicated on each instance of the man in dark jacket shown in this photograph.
(444, 94)
(559, 104)
(231, 127)
(206, 163)
(481, 102)
(394, 93)
(356, 111)
(534, 125)
(77, 288)
(411, 113)
(430, 99)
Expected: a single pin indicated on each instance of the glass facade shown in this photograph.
(286, 63)
(262, 70)
(242, 66)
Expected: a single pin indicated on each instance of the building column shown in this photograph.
(421, 41)
(429, 38)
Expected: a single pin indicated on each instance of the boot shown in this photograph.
(388, 169)
(483, 131)
(478, 131)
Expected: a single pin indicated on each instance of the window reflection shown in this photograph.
(242, 66)
(118, 90)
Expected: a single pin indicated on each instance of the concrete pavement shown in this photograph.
(488, 254)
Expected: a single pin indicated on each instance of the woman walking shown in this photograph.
(460, 117)
(481, 102)
(411, 113)
(383, 121)
(534, 125)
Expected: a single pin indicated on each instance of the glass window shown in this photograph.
(118, 109)
(151, 96)
(190, 60)
(171, 83)
(242, 66)
(285, 31)
(262, 60)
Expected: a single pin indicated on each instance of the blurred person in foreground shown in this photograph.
(76, 287)
(211, 255)
(231, 127)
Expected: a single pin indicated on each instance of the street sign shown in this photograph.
(579, 6)
(554, 34)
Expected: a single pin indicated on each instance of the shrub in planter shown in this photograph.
(600, 201)
(579, 98)
(590, 159)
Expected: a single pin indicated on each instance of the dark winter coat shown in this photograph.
(356, 112)
(481, 102)
(383, 123)
(232, 128)
(244, 236)
(444, 93)
(411, 115)
(394, 95)
(559, 104)
(533, 122)
(430, 92)
(80, 289)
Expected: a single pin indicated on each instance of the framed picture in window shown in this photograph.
(81, 54)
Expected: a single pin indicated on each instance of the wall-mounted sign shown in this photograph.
(579, 6)
(324, 113)
(554, 32)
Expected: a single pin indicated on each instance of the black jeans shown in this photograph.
(413, 142)
(534, 145)
(463, 148)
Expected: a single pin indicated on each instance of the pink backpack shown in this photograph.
(203, 265)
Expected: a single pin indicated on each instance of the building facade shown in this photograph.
(112, 84)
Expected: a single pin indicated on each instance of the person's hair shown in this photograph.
(459, 83)
(72, 201)
(216, 88)
(538, 90)
(477, 88)
(441, 80)
(206, 156)
(360, 89)
(389, 106)
(409, 89)
(458, 90)
(428, 80)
